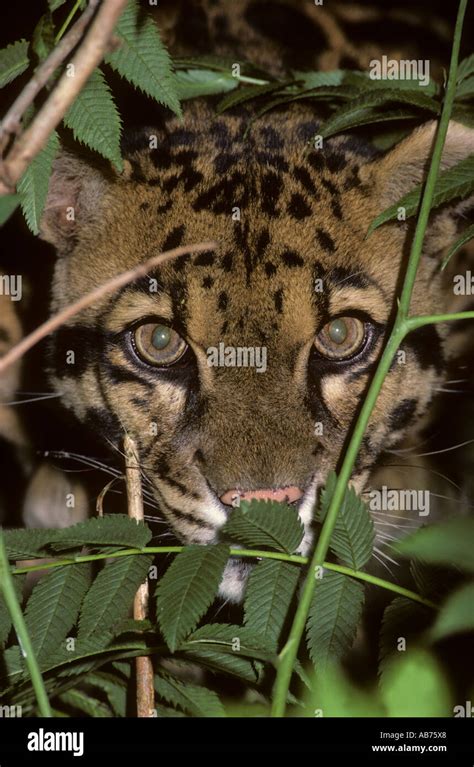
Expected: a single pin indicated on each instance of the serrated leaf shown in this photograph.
(197, 701)
(456, 615)
(371, 116)
(54, 605)
(94, 119)
(403, 619)
(142, 59)
(265, 524)
(203, 82)
(43, 41)
(233, 664)
(333, 618)
(115, 689)
(187, 589)
(110, 597)
(353, 536)
(247, 93)
(452, 183)
(28, 544)
(112, 530)
(5, 619)
(467, 235)
(33, 185)
(433, 581)
(8, 205)
(81, 701)
(414, 685)
(465, 68)
(167, 712)
(238, 640)
(375, 98)
(13, 61)
(270, 591)
(449, 543)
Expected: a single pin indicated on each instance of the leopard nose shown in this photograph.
(288, 494)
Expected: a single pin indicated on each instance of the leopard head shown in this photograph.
(239, 371)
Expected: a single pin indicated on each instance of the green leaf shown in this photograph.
(13, 61)
(33, 185)
(94, 119)
(216, 661)
(81, 701)
(375, 98)
(54, 605)
(265, 524)
(196, 700)
(112, 530)
(187, 589)
(467, 235)
(319, 79)
(465, 90)
(55, 4)
(403, 619)
(43, 37)
(353, 537)
(333, 618)
(115, 689)
(247, 93)
(142, 58)
(456, 615)
(238, 640)
(270, 591)
(5, 619)
(8, 205)
(28, 544)
(413, 685)
(454, 182)
(332, 693)
(202, 82)
(110, 597)
(465, 68)
(449, 543)
(370, 116)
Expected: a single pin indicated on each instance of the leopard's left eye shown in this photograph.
(158, 344)
(341, 338)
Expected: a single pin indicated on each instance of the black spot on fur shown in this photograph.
(426, 345)
(325, 240)
(292, 259)
(403, 414)
(170, 184)
(336, 162)
(271, 188)
(351, 279)
(270, 269)
(227, 262)
(263, 242)
(330, 186)
(302, 175)
(174, 238)
(278, 298)
(336, 208)
(207, 282)
(206, 258)
(223, 300)
(144, 205)
(165, 207)
(298, 207)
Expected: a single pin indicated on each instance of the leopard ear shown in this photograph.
(406, 165)
(75, 198)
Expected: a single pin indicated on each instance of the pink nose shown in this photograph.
(281, 494)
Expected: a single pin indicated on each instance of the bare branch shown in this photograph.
(145, 687)
(12, 120)
(84, 61)
(115, 283)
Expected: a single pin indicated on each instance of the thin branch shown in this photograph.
(81, 66)
(144, 665)
(12, 120)
(115, 283)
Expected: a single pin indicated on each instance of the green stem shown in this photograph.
(8, 590)
(68, 20)
(246, 553)
(431, 319)
(289, 652)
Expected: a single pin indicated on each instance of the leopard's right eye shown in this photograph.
(158, 344)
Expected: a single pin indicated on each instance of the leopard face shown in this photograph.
(292, 273)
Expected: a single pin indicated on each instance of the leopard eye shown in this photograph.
(158, 344)
(341, 338)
